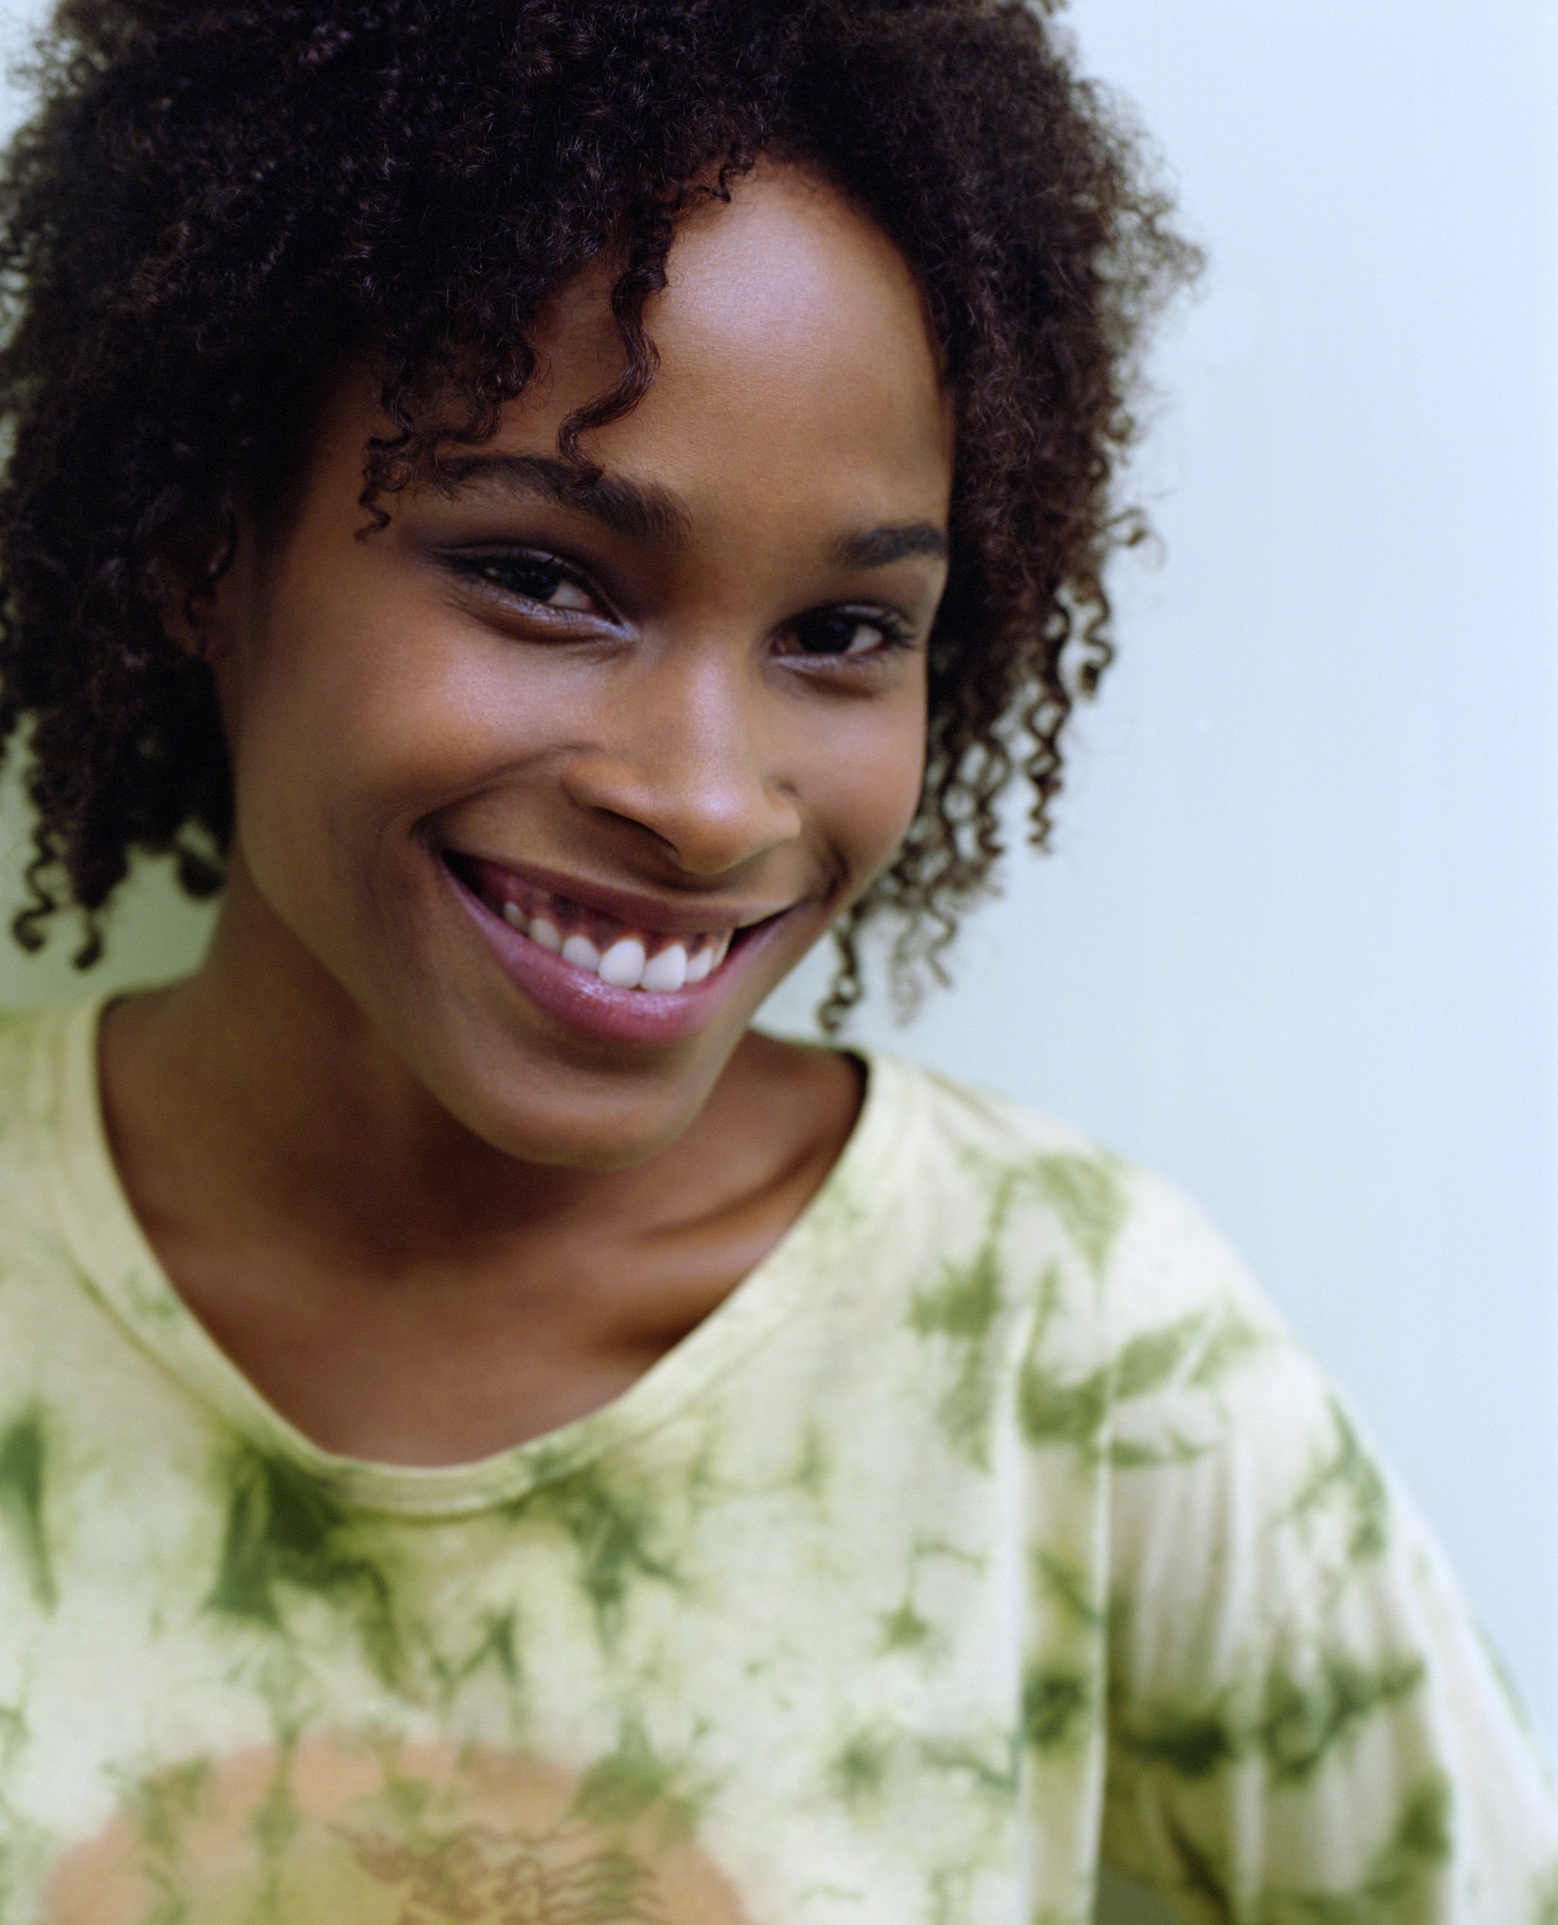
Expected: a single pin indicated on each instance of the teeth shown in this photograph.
(623, 964)
(582, 953)
(626, 963)
(665, 971)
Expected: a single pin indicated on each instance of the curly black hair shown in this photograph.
(216, 205)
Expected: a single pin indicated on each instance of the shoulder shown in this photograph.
(1113, 1287)
(1134, 1231)
(48, 1113)
(36, 1046)
(47, 1103)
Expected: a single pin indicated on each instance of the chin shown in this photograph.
(541, 1106)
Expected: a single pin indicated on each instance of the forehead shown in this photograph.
(798, 390)
(794, 352)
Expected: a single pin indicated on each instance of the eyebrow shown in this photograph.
(639, 511)
(876, 547)
(644, 511)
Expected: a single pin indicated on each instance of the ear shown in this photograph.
(186, 619)
(192, 593)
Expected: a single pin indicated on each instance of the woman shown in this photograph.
(552, 508)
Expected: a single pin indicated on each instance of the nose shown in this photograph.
(691, 758)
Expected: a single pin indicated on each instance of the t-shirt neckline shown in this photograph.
(121, 1270)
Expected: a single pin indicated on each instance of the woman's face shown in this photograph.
(668, 721)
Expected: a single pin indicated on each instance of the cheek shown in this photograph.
(865, 785)
(346, 730)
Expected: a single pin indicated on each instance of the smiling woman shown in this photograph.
(677, 693)
(554, 509)
(662, 710)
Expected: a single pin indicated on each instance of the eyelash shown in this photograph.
(490, 568)
(894, 631)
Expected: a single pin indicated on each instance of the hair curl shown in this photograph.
(216, 204)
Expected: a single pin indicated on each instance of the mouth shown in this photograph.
(626, 955)
(624, 975)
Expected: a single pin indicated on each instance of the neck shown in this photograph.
(396, 1286)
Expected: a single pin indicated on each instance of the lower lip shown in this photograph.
(585, 1003)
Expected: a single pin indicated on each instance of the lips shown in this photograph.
(624, 954)
(606, 974)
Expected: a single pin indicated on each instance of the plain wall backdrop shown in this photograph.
(1298, 944)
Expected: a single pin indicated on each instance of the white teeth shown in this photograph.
(582, 953)
(665, 971)
(623, 964)
(626, 963)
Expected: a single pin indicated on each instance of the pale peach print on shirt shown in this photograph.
(340, 1832)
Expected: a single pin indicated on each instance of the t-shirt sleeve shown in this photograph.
(1305, 1725)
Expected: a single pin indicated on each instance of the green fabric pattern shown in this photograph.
(994, 1528)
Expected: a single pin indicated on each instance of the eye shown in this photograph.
(840, 632)
(533, 578)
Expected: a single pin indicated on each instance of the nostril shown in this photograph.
(711, 813)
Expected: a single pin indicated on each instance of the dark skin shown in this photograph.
(428, 1215)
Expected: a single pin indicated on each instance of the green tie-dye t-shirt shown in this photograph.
(993, 1527)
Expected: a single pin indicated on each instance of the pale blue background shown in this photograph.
(1299, 943)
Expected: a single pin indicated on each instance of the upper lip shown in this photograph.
(655, 915)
